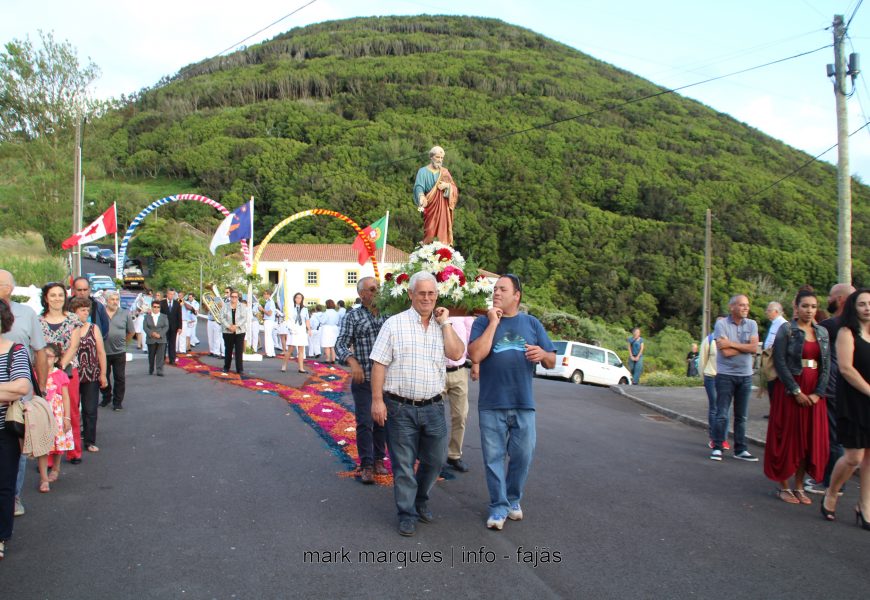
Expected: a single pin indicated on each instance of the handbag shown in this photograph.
(15, 418)
(15, 411)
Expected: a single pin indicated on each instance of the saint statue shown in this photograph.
(435, 195)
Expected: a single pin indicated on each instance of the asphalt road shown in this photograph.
(206, 490)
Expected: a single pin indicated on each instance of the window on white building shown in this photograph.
(312, 277)
(351, 277)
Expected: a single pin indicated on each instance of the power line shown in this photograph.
(621, 104)
(803, 165)
(854, 12)
(239, 43)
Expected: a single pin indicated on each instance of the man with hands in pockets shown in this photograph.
(408, 376)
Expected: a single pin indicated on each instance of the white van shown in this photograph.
(584, 363)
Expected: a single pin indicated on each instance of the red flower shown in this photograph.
(480, 278)
(388, 277)
(451, 270)
(402, 278)
(444, 253)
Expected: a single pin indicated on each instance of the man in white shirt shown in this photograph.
(408, 377)
(268, 324)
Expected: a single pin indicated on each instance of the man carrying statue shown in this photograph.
(435, 195)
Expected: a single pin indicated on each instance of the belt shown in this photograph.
(809, 363)
(454, 369)
(410, 402)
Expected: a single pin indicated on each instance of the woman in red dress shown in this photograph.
(797, 433)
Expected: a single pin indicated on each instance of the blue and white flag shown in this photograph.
(237, 226)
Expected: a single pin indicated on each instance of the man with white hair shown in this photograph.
(115, 342)
(436, 194)
(408, 376)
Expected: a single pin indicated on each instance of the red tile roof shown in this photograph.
(322, 253)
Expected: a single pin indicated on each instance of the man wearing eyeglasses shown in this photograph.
(408, 376)
(359, 330)
(98, 315)
(508, 344)
(156, 324)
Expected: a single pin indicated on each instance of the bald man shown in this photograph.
(836, 302)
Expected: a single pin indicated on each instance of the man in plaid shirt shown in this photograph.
(408, 376)
(359, 329)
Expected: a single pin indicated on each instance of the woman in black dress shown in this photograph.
(853, 406)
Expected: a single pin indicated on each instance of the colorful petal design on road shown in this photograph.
(318, 402)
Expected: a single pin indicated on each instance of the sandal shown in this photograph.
(53, 476)
(92, 448)
(802, 497)
(44, 487)
(787, 496)
(2, 549)
(828, 515)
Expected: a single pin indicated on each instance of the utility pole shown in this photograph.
(77, 201)
(844, 180)
(708, 271)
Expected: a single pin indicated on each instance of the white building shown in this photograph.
(322, 271)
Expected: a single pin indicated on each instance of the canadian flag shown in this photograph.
(105, 224)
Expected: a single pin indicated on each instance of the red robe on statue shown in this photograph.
(438, 213)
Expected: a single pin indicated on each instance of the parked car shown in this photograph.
(133, 275)
(584, 363)
(106, 255)
(90, 252)
(101, 282)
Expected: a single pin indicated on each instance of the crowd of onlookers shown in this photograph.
(816, 372)
(72, 354)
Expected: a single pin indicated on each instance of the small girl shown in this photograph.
(57, 395)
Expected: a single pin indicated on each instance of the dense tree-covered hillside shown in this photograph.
(602, 214)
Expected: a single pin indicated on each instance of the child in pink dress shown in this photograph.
(57, 395)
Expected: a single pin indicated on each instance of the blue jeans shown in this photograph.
(371, 439)
(710, 388)
(415, 432)
(22, 469)
(636, 368)
(737, 388)
(506, 434)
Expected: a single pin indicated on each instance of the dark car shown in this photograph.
(106, 256)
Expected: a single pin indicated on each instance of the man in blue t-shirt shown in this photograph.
(507, 344)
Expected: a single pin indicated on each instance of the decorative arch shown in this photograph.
(310, 213)
(122, 250)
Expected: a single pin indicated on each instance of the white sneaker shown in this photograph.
(716, 455)
(495, 522)
(516, 512)
(19, 507)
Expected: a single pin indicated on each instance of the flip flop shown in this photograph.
(92, 448)
(44, 487)
(787, 496)
(802, 497)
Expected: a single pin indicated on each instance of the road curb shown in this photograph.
(672, 414)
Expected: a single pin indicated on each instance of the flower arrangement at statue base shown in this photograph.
(461, 287)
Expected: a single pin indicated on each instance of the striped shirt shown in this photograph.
(20, 370)
(414, 357)
(359, 329)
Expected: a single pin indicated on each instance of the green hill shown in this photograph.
(602, 214)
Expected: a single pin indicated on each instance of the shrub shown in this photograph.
(665, 379)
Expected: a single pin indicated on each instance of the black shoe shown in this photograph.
(424, 515)
(160, 374)
(407, 527)
(75, 461)
(458, 465)
(105, 404)
(151, 372)
(117, 408)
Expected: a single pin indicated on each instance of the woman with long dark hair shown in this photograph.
(60, 327)
(853, 406)
(797, 433)
(296, 317)
(14, 384)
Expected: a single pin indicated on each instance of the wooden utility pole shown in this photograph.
(844, 180)
(708, 272)
(77, 201)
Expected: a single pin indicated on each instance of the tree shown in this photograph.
(43, 93)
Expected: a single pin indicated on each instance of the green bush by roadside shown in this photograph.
(665, 379)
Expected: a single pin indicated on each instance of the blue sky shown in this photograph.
(672, 43)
